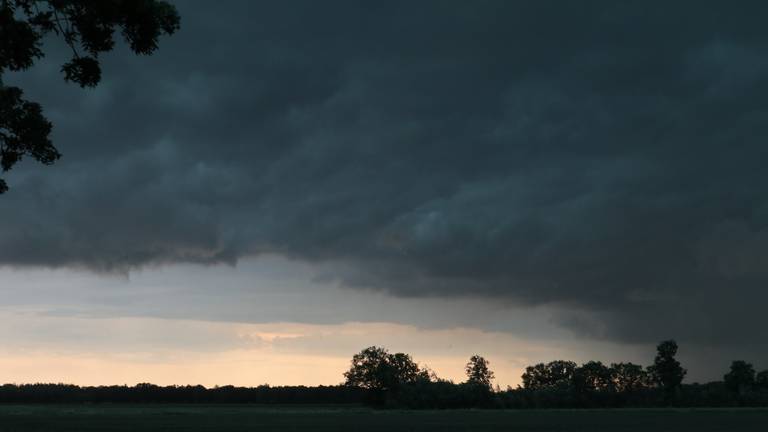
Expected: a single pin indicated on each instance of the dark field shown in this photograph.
(260, 418)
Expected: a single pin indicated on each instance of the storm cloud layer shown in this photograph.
(606, 156)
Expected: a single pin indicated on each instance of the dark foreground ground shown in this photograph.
(259, 418)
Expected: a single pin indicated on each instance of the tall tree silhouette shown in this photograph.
(88, 27)
(479, 372)
(666, 371)
(374, 368)
(741, 378)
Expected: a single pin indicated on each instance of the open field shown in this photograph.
(260, 418)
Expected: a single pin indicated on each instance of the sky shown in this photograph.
(283, 184)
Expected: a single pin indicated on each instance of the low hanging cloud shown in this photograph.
(604, 156)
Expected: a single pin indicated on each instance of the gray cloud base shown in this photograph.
(605, 156)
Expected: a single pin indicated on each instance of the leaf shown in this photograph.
(82, 70)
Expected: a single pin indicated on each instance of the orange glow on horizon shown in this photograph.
(117, 351)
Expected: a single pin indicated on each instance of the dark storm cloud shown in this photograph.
(606, 156)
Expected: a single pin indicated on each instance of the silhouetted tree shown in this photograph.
(628, 377)
(556, 374)
(741, 378)
(592, 376)
(426, 374)
(666, 371)
(374, 368)
(479, 372)
(761, 380)
(367, 369)
(402, 369)
(88, 27)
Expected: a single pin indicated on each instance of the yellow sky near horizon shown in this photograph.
(266, 321)
(103, 351)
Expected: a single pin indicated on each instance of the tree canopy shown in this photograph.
(374, 368)
(88, 28)
(666, 370)
(592, 376)
(629, 377)
(557, 374)
(741, 377)
(479, 372)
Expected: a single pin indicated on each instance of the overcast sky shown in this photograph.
(299, 180)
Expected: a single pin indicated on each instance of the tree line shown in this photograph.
(396, 380)
(150, 393)
(379, 378)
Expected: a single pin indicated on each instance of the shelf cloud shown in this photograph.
(605, 157)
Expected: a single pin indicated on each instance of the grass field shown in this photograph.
(259, 418)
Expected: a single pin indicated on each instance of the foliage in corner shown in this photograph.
(88, 27)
